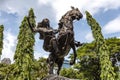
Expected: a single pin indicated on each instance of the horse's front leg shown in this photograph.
(59, 63)
(50, 61)
(75, 55)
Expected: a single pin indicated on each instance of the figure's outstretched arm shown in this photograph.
(31, 27)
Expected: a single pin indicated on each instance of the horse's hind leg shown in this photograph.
(59, 63)
(75, 55)
(50, 61)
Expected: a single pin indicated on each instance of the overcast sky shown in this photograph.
(106, 12)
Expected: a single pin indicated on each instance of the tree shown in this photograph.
(39, 68)
(6, 71)
(1, 38)
(88, 63)
(3, 71)
(24, 51)
(106, 69)
(70, 73)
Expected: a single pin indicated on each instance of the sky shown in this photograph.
(12, 12)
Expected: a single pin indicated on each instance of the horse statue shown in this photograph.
(65, 39)
(59, 46)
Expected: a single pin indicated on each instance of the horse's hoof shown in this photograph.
(72, 62)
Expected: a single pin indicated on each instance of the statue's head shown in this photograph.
(46, 22)
(75, 13)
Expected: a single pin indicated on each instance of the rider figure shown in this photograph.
(47, 33)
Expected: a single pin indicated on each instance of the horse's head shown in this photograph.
(75, 13)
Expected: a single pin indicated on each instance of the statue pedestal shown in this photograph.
(57, 77)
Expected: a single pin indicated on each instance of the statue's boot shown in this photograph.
(54, 45)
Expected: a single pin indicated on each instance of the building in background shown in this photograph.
(6, 61)
(66, 64)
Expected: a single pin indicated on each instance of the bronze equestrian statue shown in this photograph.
(59, 46)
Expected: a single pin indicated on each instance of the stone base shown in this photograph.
(57, 77)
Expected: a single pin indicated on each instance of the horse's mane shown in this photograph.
(63, 18)
(66, 14)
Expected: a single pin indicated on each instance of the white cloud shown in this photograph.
(93, 6)
(38, 48)
(21, 8)
(0, 14)
(89, 37)
(38, 54)
(60, 6)
(43, 1)
(113, 26)
(3, 21)
(9, 44)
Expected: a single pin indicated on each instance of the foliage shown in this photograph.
(113, 45)
(2, 71)
(70, 73)
(6, 71)
(88, 62)
(106, 69)
(1, 38)
(24, 51)
(39, 69)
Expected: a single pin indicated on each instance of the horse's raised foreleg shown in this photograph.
(59, 63)
(50, 62)
(75, 55)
